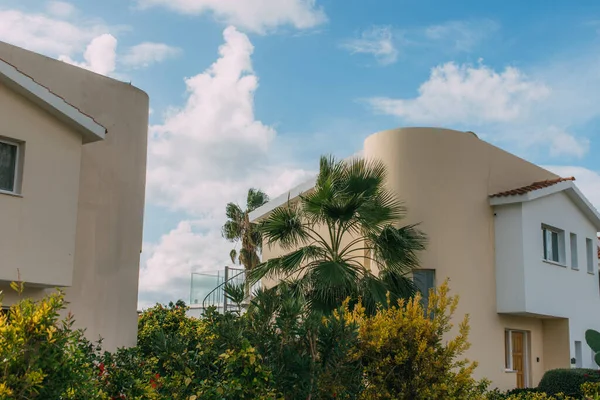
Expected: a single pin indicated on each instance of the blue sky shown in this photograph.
(247, 96)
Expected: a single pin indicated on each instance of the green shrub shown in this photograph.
(42, 356)
(567, 381)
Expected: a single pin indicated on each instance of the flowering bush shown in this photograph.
(42, 356)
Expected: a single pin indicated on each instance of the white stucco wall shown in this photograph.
(529, 285)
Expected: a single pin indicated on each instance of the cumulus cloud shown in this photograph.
(204, 154)
(587, 181)
(253, 15)
(147, 53)
(508, 106)
(48, 34)
(212, 148)
(377, 41)
(458, 93)
(99, 56)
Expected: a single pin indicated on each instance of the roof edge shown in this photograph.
(25, 85)
(567, 186)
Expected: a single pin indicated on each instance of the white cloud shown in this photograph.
(587, 181)
(464, 93)
(203, 155)
(60, 9)
(507, 106)
(147, 53)
(378, 41)
(100, 55)
(253, 15)
(461, 35)
(165, 274)
(213, 148)
(47, 34)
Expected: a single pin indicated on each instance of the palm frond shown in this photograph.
(255, 199)
(233, 256)
(284, 226)
(285, 265)
(232, 231)
(234, 213)
(397, 248)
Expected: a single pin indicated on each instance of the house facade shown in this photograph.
(521, 257)
(72, 185)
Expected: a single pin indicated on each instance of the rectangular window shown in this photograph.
(574, 262)
(554, 246)
(589, 247)
(9, 166)
(578, 355)
(424, 281)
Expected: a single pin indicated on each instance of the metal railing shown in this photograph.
(216, 297)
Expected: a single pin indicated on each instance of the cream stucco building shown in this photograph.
(522, 257)
(72, 183)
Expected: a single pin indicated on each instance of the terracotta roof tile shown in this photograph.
(532, 187)
(56, 94)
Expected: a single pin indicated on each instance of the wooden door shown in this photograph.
(518, 357)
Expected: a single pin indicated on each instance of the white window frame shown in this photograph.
(574, 251)
(508, 349)
(589, 255)
(560, 235)
(17, 178)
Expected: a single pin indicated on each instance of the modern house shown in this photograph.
(72, 186)
(517, 242)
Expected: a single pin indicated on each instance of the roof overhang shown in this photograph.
(568, 187)
(284, 198)
(90, 130)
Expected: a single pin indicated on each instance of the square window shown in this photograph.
(9, 164)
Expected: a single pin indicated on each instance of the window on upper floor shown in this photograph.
(9, 166)
(424, 280)
(589, 247)
(554, 244)
(574, 260)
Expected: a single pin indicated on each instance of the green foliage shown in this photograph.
(336, 234)
(567, 381)
(592, 338)
(43, 357)
(405, 355)
(238, 228)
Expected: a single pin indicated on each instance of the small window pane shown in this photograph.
(8, 166)
(507, 351)
(424, 281)
(555, 247)
(589, 244)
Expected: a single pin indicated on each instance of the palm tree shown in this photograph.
(238, 228)
(342, 239)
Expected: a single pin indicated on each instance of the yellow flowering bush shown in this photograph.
(404, 355)
(42, 356)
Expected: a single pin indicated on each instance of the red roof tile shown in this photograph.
(56, 94)
(532, 187)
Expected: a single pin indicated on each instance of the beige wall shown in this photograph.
(444, 177)
(103, 295)
(37, 232)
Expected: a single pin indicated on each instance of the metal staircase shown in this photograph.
(208, 290)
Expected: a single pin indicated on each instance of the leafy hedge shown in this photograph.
(567, 381)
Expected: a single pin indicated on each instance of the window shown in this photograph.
(574, 262)
(589, 247)
(424, 281)
(9, 166)
(554, 246)
(578, 355)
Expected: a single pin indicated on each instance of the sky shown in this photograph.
(249, 93)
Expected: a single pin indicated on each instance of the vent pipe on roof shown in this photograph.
(472, 133)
